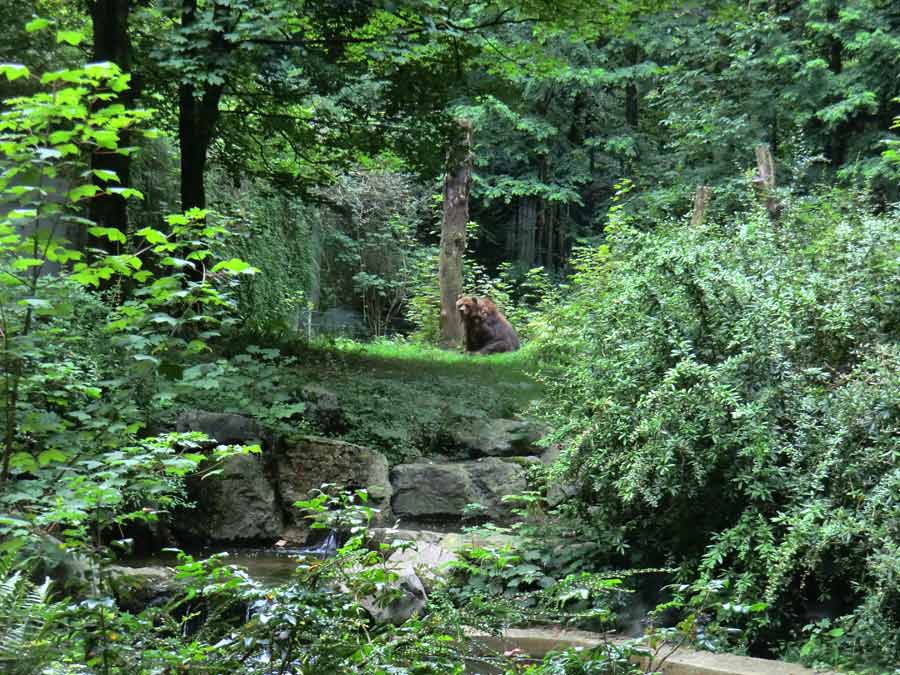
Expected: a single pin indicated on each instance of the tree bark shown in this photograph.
(457, 180)
(197, 117)
(111, 43)
(764, 181)
(527, 226)
(837, 144)
(701, 202)
(631, 91)
(196, 123)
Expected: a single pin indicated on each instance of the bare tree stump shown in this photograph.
(701, 202)
(453, 231)
(764, 180)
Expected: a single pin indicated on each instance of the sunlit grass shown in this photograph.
(417, 351)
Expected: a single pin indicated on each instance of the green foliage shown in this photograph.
(27, 614)
(372, 247)
(218, 618)
(279, 235)
(75, 468)
(519, 296)
(725, 392)
(400, 398)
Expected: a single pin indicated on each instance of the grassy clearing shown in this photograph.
(404, 398)
(420, 358)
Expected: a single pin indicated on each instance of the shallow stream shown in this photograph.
(268, 566)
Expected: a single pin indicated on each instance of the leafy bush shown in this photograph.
(519, 296)
(280, 235)
(370, 236)
(26, 610)
(728, 394)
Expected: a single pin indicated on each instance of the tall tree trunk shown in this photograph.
(836, 146)
(764, 181)
(453, 231)
(111, 43)
(631, 90)
(197, 117)
(527, 222)
(196, 123)
(701, 202)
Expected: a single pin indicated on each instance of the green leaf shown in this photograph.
(42, 307)
(125, 193)
(152, 236)
(106, 138)
(196, 346)
(164, 318)
(36, 25)
(72, 37)
(106, 175)
(235, 266)
(25, 263)
(23, 462)
(111, 233)
(14, 71)
(83, 191)
(50, 456)
(177, 263)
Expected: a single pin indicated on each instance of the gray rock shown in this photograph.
(311, 461)
(430, 554)
(401, 600)
(238, 505)
(323, 409)
(496, 437)
(224, 428)
(136, 588)
(440, 491)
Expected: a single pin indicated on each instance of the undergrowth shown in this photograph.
(400, 398)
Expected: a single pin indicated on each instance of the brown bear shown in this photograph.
(486, 329)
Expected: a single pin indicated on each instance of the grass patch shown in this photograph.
(418, 359)
(402, 398)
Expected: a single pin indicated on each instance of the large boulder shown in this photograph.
(239, 505)
(483, 437)
(429, 554)
(310, 461)
(224, 428)
(136, 588)
(439, 491)
(400, 600)
(323, 409)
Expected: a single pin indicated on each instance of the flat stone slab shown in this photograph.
(538, 641)
(431, 552)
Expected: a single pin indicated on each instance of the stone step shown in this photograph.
(539, 641)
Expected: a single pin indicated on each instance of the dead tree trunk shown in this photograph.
(764, 181)
(701, 202)
(453, 231)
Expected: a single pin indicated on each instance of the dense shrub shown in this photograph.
(729, 393)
